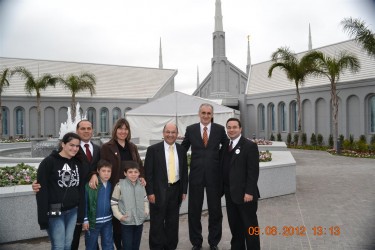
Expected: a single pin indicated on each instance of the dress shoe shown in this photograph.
(214, 248)
(196, 248)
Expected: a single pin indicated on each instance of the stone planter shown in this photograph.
(18, 214)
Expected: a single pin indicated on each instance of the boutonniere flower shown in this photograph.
(115, 153)
(237, 151)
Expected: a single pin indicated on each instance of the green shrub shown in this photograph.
(272, 137)
(295, 139)
(330, 141)
(346, 145)
(289, 139)
(320, 140)
(313, 139)
(360, 146)
(278, 136)
(304, 139)
(363, 138)
(372, 140)
(341, 138)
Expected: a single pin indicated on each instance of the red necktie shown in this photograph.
(205, 136)
(88, 152)
(230, 146)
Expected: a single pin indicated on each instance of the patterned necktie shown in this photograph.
(88, 152)
(171, 166)
(230, 146)
(205, 136)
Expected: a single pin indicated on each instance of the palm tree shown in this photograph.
(332, 68)
(362, 34)
(36, 84)
(296, 70)
(4, 82)
(78, 83)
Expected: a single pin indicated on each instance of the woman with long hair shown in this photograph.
(61, 195)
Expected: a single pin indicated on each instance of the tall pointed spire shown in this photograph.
(160, 57)
(310, 39)
(218, 16)
(248, 65)
(197, 77)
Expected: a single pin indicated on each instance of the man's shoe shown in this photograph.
(214, 248)
(196, 248)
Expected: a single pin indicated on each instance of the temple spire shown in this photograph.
(218, 16)
(248, 65)
(310, 39)
(160, 57)
(197, 77)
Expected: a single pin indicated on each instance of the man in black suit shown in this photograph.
(205, 139)
(240, 168)
(90, 154)
(167, 179)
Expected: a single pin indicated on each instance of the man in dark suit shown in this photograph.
(167, 179)
(90, 155)
(205, 139)
(240, 169)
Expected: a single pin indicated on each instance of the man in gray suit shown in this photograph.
(205, 139)
(167, 179)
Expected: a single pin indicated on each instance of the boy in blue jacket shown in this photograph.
(98, 212)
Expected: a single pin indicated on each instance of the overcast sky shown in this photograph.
(127, 32)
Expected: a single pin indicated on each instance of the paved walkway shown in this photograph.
(335, 194)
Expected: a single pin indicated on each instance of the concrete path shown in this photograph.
(335, 194)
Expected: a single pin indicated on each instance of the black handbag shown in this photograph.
(55, 209)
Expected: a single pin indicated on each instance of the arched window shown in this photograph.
(104, 120)
(271, 112)
(91, 116)
(5, 115)
(282, 116)
(20, 121)
(294, 116)
(116, 114)
(262, 118)
(372, 114)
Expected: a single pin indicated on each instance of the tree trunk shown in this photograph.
(299, 116)
(73, 113)
(335, 107)
(1, 120)
(39, 115)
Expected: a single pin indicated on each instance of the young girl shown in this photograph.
(61, 192)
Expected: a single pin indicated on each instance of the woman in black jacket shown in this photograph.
(61, 196)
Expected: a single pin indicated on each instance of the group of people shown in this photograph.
(107, 190)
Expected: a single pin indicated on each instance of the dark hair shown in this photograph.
(119, 123)
(103, 163)
(67, 138)
(83, 120)
(234, 119)
(126, 165)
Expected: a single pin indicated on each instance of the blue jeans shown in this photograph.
(131, 236)
(106, 236)
(61, 229)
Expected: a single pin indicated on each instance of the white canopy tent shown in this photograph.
(147, 121)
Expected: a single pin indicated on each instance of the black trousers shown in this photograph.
(240, 218)
(196, 197)
(164, 221)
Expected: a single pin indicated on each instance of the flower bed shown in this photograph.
(261, 141)
(265, 156)
(14, 140)
(20, 174)
(352, 153)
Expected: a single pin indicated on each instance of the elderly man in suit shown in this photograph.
(205, 139)
(167, 179)
(240, 169)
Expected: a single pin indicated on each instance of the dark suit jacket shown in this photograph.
(205, 161)
(111, 153)
(89, 167)
(244, 170)
(157, 175)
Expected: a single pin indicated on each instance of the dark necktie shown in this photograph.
(205, 136)
(230, 146)
(88, 152)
